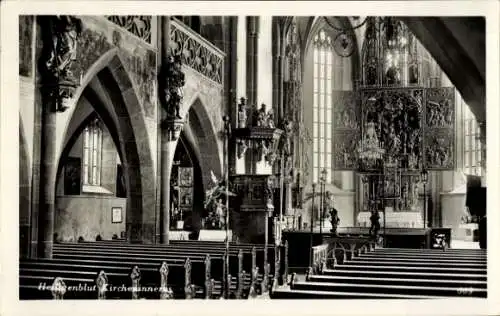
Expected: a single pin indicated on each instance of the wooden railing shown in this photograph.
(319, 257)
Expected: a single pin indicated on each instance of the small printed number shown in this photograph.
(465, 291)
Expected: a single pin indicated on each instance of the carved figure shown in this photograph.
(261, 116)
(264, 285)
(375, 223)
(334, 219)
(415, 195)
(242, 113)
(102, 284)
(136, 277)
(58, 288)
(371, 72)
(264, 118)
(293, 53)
(175, 80)
(270, 119)
(242, 148)
(270, 157)
(288, 130)
(219, 211)
(164, 274)
(165, 292)
(190, 291)
(60, 53)
(261, 149)
(64, 45)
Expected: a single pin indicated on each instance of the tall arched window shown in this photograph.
(322, 100)
(472, 144)
(330, 73)
(92, 153)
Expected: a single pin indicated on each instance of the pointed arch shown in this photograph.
(316, 23)
(206, 140)
(109, 91)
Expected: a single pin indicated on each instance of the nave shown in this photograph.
(331, 170)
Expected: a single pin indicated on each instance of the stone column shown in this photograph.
(48, 170)
(231, 91)
(57, 85)
(171, 124)
(165, 140)
(252, 81)
(277, 67)
(169, 136)
(288, 196)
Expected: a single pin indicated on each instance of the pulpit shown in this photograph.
(253, 209)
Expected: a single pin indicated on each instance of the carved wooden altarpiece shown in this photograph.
(398, 132)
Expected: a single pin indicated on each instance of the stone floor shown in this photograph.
(463, 244)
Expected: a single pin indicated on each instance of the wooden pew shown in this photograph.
(118, 274)
(74, 251)
(120, 256)
(276, 269)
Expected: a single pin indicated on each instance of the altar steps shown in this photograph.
(380, 280)
(390, 289)
(397, 273)
(407, 268)
(449, 251)
(315, 294)
(427, 263)
(405, 274)
(443, 258)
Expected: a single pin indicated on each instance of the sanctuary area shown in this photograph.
(207, 157)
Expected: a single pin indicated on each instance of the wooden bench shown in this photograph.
(88, 258)
(277, 270)
(118, 274)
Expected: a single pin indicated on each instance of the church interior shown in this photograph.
(254, 156)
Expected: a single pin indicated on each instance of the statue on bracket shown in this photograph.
(263, 117)
(60, 52)
(242, 113)
(287, 127)
(268, 192)
(292, 52)
(270, 157)
(175, 80)
(334, 220)
(241, 148)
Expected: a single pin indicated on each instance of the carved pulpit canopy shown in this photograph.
(60, 42)
(261, 135)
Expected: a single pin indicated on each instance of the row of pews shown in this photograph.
(357, 268)
(182, 269)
